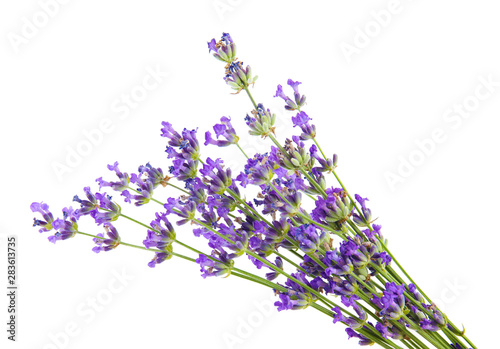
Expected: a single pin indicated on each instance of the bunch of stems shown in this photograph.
(413, 336)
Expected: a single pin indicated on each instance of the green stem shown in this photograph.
(325, 300)
(230, 241)
(178, 188)
(251, 97)
(408, 344)
(421, 291)
(290, 262)
(121, 242)
(327, 312)
(340, 182)
(241, 150)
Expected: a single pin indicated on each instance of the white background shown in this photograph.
(371, 107)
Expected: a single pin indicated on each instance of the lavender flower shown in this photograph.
(187, 211)
(144, 190)
(219, 265)
(365, 219)
(109, 243)
(298, 101)
(120, 185)
(336, 207)
(297, 156)
(273, 275)
(279, 208)
(43, 209)
(160, 257)
(326, 165)
(392, 303)
(413, 289)
(362, 339)
(217, 179)
(259, 170)
(89, 206)
(66, 227)
(162, 234)
(308, 237)
(108, 211)
(224, 129)
(293, 300)
(174, 138)
(154, 175)
(300, 119)
(352, 322)
(239, 77)
(224, 50)
(429, 325)
(261, 123)
(186, 143)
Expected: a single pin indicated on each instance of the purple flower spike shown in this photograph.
(111, 210)
(336, 207)
(187, 145)
(226, 38)
(224, 129)
(160, 257)
(392, 303)
(121, 184)
(362, 339)
(239, 77)
(88, 206)
(327, 165)
(128, 197)
(259, 170)
(429, 325)
(162, 234)
(187, 213)
(294, 85)
(280, 93)
(43, 209)
(219, 265)
(383, 330)
(67, 227)
(300, 119)
(365, 220)
(290, 104)
(212, 46)
(173, 136)
(293, 300)
(308, 237)
(224, 50)
(273, 275)
(338, 315)
(109, 243)
(145, 191)
(217, 178)
(154, 175)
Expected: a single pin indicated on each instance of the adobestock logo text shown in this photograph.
(453, 118)
(121, 108)
(32, 25)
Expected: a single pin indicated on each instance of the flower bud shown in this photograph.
(262, 124)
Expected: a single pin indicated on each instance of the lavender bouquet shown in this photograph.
(331, 258)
